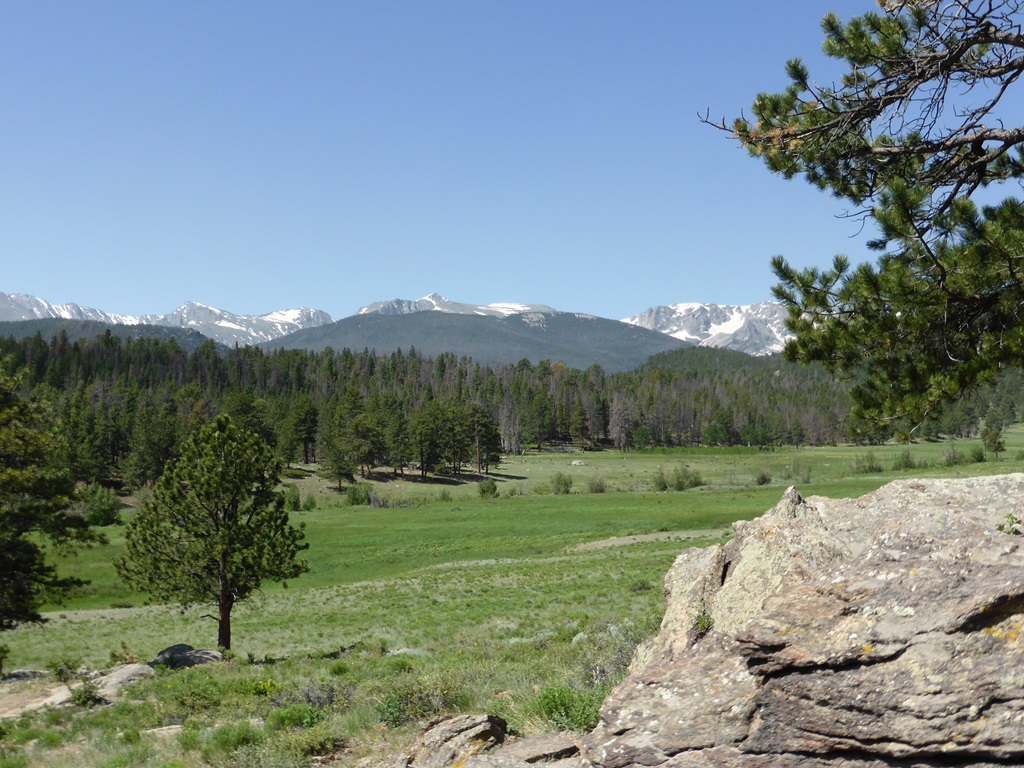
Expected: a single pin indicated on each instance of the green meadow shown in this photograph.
(437, 600)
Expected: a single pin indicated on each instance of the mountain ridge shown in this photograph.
(756, 329)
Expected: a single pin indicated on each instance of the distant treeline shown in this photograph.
(123, 405)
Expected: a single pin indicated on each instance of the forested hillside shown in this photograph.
(124, 405)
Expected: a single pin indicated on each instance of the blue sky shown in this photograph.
(263, 155)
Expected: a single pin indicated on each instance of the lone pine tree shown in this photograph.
(215, 528)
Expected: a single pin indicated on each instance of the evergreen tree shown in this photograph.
(912, 129)
(215, 528)
(34, 496)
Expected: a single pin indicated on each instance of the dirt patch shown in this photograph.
(620, 541)
(17, 696)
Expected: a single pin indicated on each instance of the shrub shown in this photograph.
(187, 692)
(561, 484)
(101, 506)
(229, 738)
(977, 455)
(763, 476)
(685, 478)
(265, 687)
(292, 500)
(659, 482)
(123, 656)
(867, 464)
(953, 456)
(417, 699)
(595, 485)
(488, 488)
(309, 503)
(86, 694)
(64, 668)
(295, 717)
(903, 461)
(568, 708)
(358, 494)
(445, 495)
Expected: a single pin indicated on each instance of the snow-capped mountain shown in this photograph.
(231, 329)
(435, 302)
(21, 306)
(757, 329)
(224, 327)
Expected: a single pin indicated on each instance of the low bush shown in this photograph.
(596, 485)
(684, 478)
(229, 738)
(414, 699)
(295, 717)
(953, 457)
(100, 506)
(487, 488)
(903, 461)
(659, 482)
(561, 484)
(358, 494)
(309, 503)
(573, 709)
(292, 498)
(64, 668)
(763, 476)
(977, 455)
(867, 464)
(86, 694)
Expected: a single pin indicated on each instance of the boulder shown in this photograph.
(181, 656)
(113, 680)
(452, 741)
(880, 631)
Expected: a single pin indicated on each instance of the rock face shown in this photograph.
(452, 741)
(881, 631)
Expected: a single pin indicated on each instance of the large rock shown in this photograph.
(879, 631)
(450, 742)
(183, 656)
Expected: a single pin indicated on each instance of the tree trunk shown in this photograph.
(224, 632)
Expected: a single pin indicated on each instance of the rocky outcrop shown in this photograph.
(881, 631)
(452, 741)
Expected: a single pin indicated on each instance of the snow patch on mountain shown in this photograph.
(435, 302)
(757, 329)
(224, 327)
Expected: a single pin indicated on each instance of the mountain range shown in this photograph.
(492, 333)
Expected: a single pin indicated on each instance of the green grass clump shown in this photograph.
(221, 742)
(567, 708)
(419, 699)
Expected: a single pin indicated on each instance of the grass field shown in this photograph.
(440, 601)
